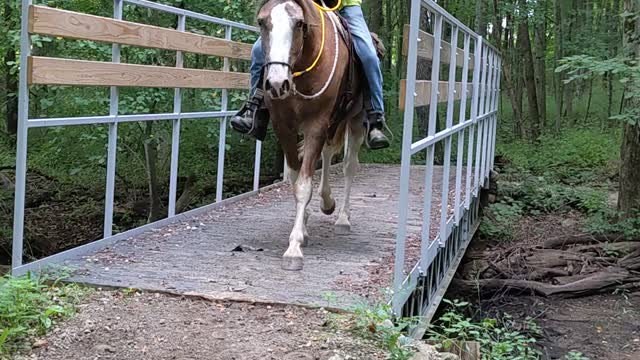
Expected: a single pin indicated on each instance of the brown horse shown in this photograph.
(292, 41)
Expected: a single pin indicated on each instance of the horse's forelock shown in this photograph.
(311, 14)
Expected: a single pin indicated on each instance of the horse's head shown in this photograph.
(283, 24)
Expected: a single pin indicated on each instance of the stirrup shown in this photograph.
(258, 120)
(368, 128)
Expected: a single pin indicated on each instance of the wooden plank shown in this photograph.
(54, 71)
(55, 22)
(425, 49)
(423, 91)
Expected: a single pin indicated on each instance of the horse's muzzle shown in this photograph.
(278, 83)
(278, 89)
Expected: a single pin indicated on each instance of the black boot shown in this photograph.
(376, 139)
(252, 119)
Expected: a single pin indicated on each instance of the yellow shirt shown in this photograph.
(351, 3)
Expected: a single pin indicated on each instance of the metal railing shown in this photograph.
(113, 119)
(419, 291)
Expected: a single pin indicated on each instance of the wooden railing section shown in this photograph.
(425, 52)
(67, 24)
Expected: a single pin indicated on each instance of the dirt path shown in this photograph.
(603, 327)
(116, 325)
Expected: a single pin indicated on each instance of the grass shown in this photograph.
(30, 306)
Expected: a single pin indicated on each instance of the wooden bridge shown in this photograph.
(411, 224)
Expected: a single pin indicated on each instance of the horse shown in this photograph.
(305, 80)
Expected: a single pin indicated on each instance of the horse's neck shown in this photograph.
(312, 46)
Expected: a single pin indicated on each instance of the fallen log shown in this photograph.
(544, 273)
(593, 284)
(618, 248)
(563, 241)
(631, 261)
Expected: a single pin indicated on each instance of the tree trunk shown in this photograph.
(151, 162)
(481, 26)
(529, 78)
(509, 78)
(586, 116)
(540, 39)
(375, 22)
(629, 198)
(11, 80)
(559, 85)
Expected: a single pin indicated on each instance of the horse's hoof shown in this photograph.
(292, 263)
(329, 211)
(343, 229)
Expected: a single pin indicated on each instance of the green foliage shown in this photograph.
(499, 221)
(29, 307)
(578, 156)
(581, 67)
(607, 221)
(575, 355)
(377, 323)
(499, 339)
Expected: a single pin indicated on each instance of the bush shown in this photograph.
(579, 156)
(499, 221)
(499, 339)
(29, 308)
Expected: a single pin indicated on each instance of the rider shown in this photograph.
(244, 122)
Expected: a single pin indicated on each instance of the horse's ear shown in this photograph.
(311, 13)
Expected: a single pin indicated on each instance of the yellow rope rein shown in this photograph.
(322, 10)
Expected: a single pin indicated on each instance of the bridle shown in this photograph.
(323, 10)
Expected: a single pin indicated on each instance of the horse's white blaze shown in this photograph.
(281, 39)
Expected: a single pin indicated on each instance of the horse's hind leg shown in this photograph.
(353, 142)
(327, 203)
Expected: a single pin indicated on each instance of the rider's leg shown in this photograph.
(366, 51)
(245, 120)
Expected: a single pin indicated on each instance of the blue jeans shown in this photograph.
(365, 50)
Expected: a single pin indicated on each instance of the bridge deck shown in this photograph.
(198, 258)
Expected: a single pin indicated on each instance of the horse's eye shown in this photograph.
(299, 24)
(260, 22)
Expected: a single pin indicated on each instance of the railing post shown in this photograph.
(112, 147)
(463, 118)
(405, 166)
(222, 140)
(488, 119)
(175, 136)
(481, 126)
(22, 132)
(446, 171)
(474, 118)
(433, 115)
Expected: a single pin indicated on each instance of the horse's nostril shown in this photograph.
(286, 86)
(267, 85)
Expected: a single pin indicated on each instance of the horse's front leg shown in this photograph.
(353, 142)
(303, 188)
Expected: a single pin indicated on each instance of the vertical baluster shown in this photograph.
(175, 136)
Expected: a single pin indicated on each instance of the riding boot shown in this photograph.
(253, 118)
(376, 139)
